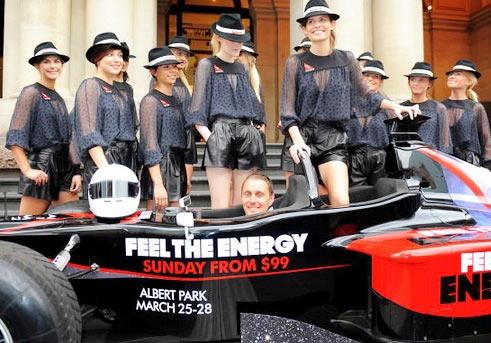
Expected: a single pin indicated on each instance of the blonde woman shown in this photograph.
(468, 120)
(320, 89)
(435, 131)
(224, 109)
(248, 57)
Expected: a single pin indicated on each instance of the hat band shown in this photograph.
(109, 41)
(179, 45)
(162, 59)
(318, 9)
(421, 71)
(46, 51)
(366, 58)
(463, 67)
(373, 69)
(230, 31)
(246, 48)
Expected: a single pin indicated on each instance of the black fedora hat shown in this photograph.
(366, 56)
(317, 7)
(46, 49)
(375, 67)
(182, 43)
(422, 69)
(305, 43)
(229, 26)
(465, 65)
(160, 56)
(126, 51)
(103, 41)
(249, 47)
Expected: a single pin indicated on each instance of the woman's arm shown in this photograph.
(412, 111)
(36, 175)
(159, 192)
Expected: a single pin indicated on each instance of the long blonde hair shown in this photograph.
(184, 79)
(215, 44)
(470, 92)
(254, 78)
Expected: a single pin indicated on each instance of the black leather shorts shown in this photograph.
(235, 144)
(326, 140)
(55, 162)
(367, 165)
(191, 154)
(120, 152)
(173, 172)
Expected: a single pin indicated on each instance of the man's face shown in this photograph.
(256, 197)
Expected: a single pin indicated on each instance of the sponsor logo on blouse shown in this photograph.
(164, 103)
(307, 67)
(45, 96)
(217, 69)
(106, 89)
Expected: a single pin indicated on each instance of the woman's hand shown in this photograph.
(160, 196)
(76, 185)
(261, 128)
(412, 111)
(295, 150)
(189, 187)
(38, 176)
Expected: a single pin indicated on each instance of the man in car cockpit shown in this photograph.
(257, 194)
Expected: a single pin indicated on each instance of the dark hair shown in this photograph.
(39, 59)
(259, 176)
(100, 51)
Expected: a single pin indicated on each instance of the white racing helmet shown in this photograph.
(114, 192)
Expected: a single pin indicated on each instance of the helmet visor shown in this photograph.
(114, 189)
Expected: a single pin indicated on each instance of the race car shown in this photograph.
(408, 261)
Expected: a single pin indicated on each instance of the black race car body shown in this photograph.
(408, 261)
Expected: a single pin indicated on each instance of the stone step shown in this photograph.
(9, 181)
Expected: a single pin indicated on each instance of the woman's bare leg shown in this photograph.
(238, 179)
(334, 175)
(34, 206)
(219, 183)
(64, 197)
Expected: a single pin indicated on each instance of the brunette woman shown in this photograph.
(468, 120)
(163, 137)
(104, 123)
(224, 100)
(435, 131)
(179, 46)
(39, 138)
(320, 89)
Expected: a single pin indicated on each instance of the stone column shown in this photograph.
(108, 16)
(397, 41)
(36, 22)
(354, 27)
(77, 46)
(296, 11)
(144, 39)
